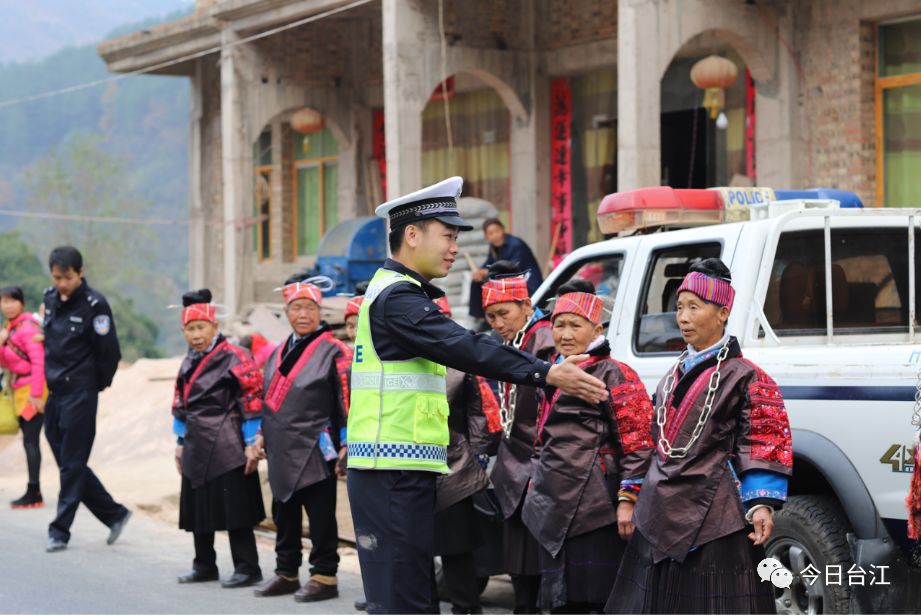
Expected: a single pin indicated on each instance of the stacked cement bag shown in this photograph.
(457, 283)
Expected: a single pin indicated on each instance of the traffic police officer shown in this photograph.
(398, 429)
(81, 356)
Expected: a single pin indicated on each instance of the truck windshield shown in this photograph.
(604, 272)
(869, 275)
(656, 329)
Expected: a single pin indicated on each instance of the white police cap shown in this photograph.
(438, 201)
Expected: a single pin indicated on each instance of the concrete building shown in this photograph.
(309, 112)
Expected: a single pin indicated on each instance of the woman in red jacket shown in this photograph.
(22, 353)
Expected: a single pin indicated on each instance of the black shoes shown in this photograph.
(277, 585)
(241, 580)
(194, 577)
(32, 499)
(55, 545)
(116, 529)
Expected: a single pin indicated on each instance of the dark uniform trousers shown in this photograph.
(393, 513)
(319, 500)
(70, 427)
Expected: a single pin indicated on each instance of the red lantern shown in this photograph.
(713, 74)
(307, 120)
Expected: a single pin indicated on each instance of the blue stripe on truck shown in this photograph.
(819, 392)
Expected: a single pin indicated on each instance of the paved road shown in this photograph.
(137, 575)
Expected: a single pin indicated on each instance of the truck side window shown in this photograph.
(656, 329)
(869, 276)
(604, 272)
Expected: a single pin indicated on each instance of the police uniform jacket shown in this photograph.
(81, 344)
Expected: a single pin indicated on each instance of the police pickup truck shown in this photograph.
(826, 302)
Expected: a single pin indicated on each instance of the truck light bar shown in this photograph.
(663, 206)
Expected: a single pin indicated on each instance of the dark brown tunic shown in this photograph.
(474, 428)
(306, 387)
(690, 501)
(512, 469)
(586, 451)
(213, 397)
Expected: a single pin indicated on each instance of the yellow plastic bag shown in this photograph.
(9, 422)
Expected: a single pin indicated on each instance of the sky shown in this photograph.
(34, 29)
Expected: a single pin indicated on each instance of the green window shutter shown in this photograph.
(330, 196)
(308, 209)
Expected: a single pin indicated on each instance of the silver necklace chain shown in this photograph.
(702, 419)
(508, 394)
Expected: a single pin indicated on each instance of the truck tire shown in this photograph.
(811, 530)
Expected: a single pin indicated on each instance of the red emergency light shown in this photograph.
(657, 207)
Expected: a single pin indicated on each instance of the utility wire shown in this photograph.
(193, 56)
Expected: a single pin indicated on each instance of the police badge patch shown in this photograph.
(102, 324)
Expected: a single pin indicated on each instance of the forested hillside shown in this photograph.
(116, 150)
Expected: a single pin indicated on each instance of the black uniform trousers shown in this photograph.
(31, 433)
(393, 513)
(319, 499)
(242, 551)
(70, 427)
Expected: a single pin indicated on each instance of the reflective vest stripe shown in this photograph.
(403, 451)
(399, 382)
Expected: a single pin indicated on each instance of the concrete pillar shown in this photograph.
(405, 24)
(780, 152)
(197, 229)
(639, 158)
(232, 155)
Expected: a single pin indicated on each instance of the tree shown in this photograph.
(81, 179)
(20, 267)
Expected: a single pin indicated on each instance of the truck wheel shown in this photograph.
(811, 530)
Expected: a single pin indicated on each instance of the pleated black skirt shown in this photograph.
(583, 573)
(522, 552)
(718, 577)
(457, 529)
(228, 502)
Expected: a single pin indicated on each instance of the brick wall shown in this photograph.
(561, 23)
(836, 54)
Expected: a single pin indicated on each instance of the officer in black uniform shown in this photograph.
(81, 356)
(396, 507)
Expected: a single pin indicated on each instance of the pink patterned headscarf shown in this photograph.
(354, 305)
(714, 290)
(501, 290)
(199, 312)
(302, 290)
(587, 305)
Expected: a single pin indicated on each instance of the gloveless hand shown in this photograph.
(178, 459)
(625, 524)
(763, 521)
(252, 460)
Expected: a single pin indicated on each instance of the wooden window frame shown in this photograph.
(881, 84)
(321, 162)
(260, 169)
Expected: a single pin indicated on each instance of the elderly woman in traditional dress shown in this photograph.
(592, 461)
(510, 314)
(721, 467)
(216, 416)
